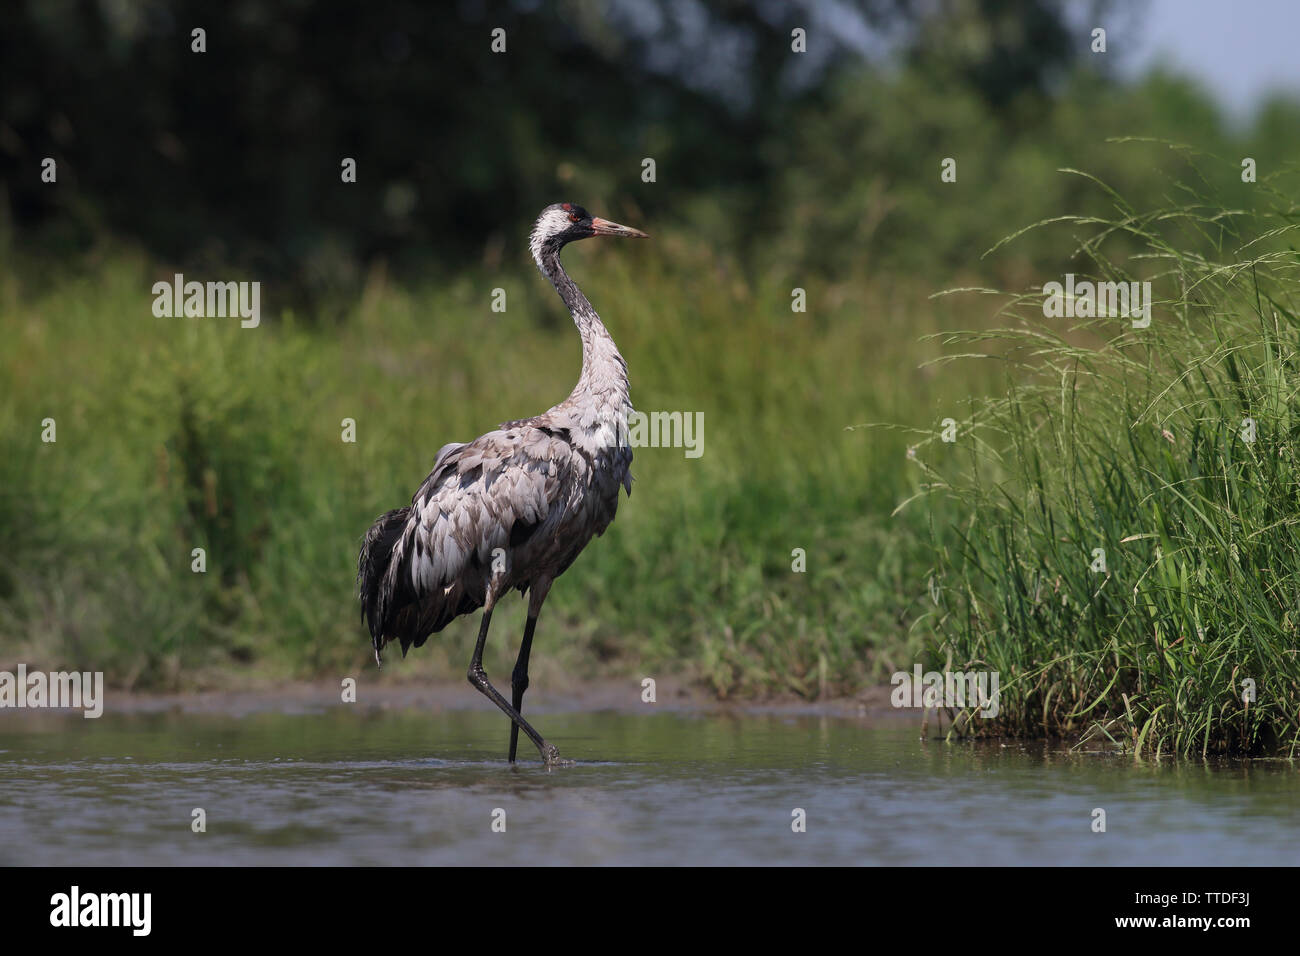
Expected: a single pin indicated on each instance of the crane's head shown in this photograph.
(565, 222)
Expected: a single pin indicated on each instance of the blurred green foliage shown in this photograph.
(773, 173)
(231, 158)
(178, 433)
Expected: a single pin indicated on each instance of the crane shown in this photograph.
(514, 507)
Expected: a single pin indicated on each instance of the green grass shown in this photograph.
(1135, 441)
(1084, 434)
(177, 433)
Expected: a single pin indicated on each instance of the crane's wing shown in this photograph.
(494, 492)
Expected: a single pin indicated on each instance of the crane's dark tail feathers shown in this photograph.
(372, 565)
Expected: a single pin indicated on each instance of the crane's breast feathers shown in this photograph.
(519, 489)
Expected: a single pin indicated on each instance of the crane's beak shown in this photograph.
(603, 227)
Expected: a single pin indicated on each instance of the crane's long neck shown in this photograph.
(604, 373)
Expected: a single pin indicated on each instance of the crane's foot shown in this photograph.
(551, 757)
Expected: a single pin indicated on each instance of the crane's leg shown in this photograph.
(479, 679)
(519, 679)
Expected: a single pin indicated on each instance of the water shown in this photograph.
(346, 786)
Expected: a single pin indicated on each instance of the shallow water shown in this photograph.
(353, 787)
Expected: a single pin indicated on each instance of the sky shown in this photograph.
(1239, 49)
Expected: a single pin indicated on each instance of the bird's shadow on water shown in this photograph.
(468, 777)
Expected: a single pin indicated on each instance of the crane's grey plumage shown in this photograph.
(514, 507)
